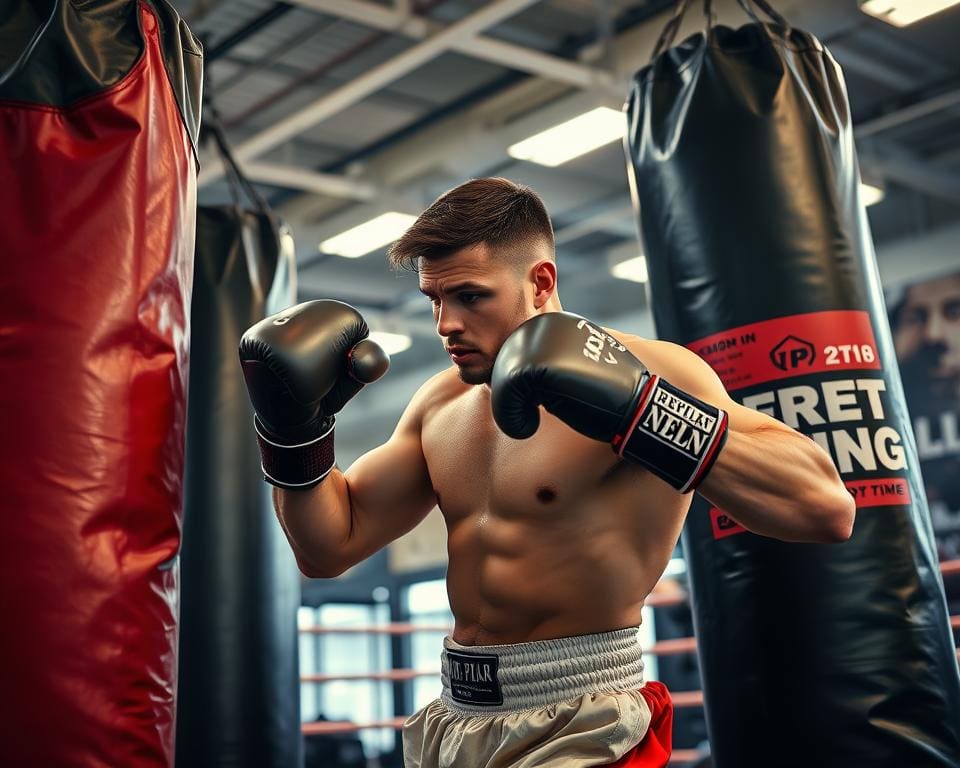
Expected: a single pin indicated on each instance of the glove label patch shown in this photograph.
(596, 344)
(473, 678)
(674, 418)
(675, 435)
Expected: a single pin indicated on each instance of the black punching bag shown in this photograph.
(741, 159)
(239, 690)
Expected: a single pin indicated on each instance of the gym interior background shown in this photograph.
(343, 111)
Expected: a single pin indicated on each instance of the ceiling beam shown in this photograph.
(489, 49)
(619, 220)
(871, 68)
(370, 82)
(470, 140)
(292, 177)
(893, 163)
(375, 15)
(908, 113)
(475, 140)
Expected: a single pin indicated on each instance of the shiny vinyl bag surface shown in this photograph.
(97, 208)
(741, 157)
(239, 690)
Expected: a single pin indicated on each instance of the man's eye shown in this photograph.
(951, 310)
(915, 316)
(469, 298)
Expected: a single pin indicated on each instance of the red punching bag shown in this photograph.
(98, 113)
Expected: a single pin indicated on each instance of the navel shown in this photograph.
(546, 494)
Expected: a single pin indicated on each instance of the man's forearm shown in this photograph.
(777, 482)
(317, 523)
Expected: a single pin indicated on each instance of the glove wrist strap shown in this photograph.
(674, 434)
(295, 467)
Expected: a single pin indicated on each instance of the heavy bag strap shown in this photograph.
(241, 186)
(21, 60)
(237, 180)
(669, 33)
(771, 13)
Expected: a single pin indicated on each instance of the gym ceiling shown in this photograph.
(342, 110)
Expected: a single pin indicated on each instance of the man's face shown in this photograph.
(928, 328)
(478, 300)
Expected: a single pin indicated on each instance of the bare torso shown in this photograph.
(547, 537)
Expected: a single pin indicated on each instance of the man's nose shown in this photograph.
(448, 321)
(935, 331)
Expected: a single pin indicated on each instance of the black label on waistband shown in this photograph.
(473, 678)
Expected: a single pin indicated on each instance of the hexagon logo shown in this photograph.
(792, 353)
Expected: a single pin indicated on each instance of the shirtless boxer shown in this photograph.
(563, 474)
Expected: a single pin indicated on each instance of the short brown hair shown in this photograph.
(494, 211)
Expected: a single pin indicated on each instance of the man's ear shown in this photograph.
(544, 277)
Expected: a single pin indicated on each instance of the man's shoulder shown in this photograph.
(438, 390)
(445, 384)
(661, 356)
(638, 344)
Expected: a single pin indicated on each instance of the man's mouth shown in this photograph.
(461, 355)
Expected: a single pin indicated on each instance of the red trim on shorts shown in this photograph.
(655, 748)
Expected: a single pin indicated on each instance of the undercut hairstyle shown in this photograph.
(509, 218)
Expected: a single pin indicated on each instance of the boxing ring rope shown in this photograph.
(405, 628)
(393, 676)
(395, 628)
(672, 647)
(332, 728)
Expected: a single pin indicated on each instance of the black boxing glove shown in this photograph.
(588, 379)
(301, 366)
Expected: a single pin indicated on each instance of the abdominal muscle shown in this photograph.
(547, 537)
(512, 582)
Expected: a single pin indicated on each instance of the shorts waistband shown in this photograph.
(492, 679)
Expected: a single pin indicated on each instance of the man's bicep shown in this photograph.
(390, 491)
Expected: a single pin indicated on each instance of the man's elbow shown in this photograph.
(329, 569)
(835, 517)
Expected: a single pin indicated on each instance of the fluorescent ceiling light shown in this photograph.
(368, 236)
(870, 194)
(900, 13)
(392, 343)
(632, 269)
(571, 139)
